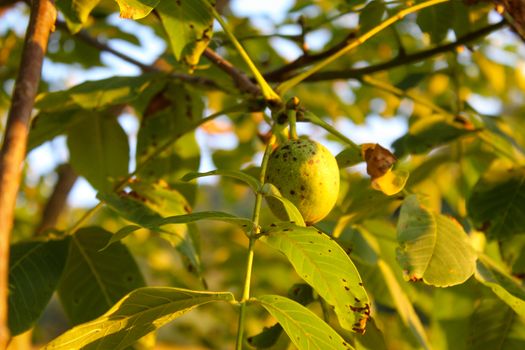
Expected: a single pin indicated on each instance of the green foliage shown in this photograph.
(422, 250)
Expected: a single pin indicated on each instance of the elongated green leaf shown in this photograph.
(495, 326)
(107, 157)
(272, 193)
(93, 281)
(348, 157)
(427, 133)
(324, 265)
(147, 204)
(189, 26)
(34, 271)
(254, 184)
(497, 203)
(101, 93)
(433, 247)
(436, 21)
(136, 9)
(183, 219)
(507, 288)
(305, 329)
(135, 315)
(403, 305)
(76, 12)
(371, 15)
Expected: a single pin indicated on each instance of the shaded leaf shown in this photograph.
(497, 203)
(427, 133)
(47, 125)
(93, 281)
(507, 288)
(305, 329)
(436, 21)
(267, 338)
(76, 12)
(495, 326)
(433, 247)
(254, 184)
(134, 316)
(371, 15)
(107, 157)
(189, 26)
(349, 157)
(136, 9)
(35, 268)
(324, 265)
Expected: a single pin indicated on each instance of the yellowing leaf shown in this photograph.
(392, 182)
(136, 9)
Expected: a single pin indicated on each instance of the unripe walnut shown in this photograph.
(306, 173)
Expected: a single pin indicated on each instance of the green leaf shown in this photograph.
(497, 203)
(495, 326)
(267, 338)
(35, 268)
(47, 125)
(254, 184)
(106, 158)
(324, 265)
(136, 9)
(305, 329)
(135, 315)
(102, 93)
(433, 247)
(371, 15)
(182, 219)
(349, 157)
(76, 12)
(507, 288)
(189, 26)
(427, 133)
(403, 305)
(436, 21)
(93, 281)
(272, 193)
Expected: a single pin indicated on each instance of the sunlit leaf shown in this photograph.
(305, 329)
(189, 26)
(392, 182)
(433, 247)
(272, 194)
(35, 268)
(497, 203)
(107, 157)
(136, 9)
(134, 316)
(93, 280)
(507, 288)
(76, 12)
(324, 265)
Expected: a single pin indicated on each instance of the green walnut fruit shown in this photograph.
(306, 173)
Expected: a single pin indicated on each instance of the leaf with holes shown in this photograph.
(497, 203)
(324, 265)
(305, 329)
(507, 288)
(34, 271)
(93, 281)
(107, 157)
(189, 26)
(134, 316)
(433, 247)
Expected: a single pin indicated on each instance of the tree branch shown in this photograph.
(57, 200)
(12, 153)
(396, 62)
(243, 83)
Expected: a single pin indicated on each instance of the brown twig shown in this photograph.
(12, 153)
(243, 83)
(395, 62)
(57, 200)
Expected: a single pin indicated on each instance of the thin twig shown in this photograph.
(243, 83)
(405, 60)
(12, 153)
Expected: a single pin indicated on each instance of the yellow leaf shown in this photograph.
(392, 182)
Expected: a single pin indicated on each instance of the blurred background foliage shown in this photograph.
(451, 77)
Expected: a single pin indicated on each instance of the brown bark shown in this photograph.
(12, 153)
(57, 201)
